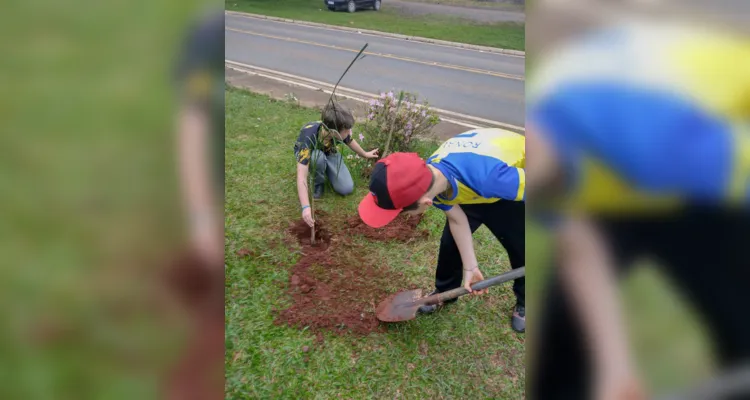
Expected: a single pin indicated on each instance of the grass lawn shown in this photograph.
(467, 350)
(503, 35)
(497, 5)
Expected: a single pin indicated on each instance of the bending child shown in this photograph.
(476, 178)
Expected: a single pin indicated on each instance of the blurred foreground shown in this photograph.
(92, 208)
(639, 177)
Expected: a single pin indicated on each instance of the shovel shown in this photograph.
(403, 306)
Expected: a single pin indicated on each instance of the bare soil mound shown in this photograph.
(334, 287)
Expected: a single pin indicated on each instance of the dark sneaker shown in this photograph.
(518, 321)
(318, 191)
(433, 307)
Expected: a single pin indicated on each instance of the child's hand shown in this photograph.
(372, 154)
(307, 216)
(472, 276)
(624, 385)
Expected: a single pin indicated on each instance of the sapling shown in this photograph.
(393, 121)
(334, 132)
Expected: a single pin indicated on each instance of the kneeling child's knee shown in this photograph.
(345, 190)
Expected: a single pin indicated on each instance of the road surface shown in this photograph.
(479, 84)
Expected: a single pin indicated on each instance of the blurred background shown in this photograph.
(92, 213)
(668, 337)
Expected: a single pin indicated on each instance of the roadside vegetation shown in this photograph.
(508, 35)
(504, 5)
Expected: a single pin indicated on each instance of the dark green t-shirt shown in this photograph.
(309, 139)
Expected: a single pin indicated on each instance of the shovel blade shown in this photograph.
(399, 306)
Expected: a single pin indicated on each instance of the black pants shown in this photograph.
(705, 255)
(507, 221)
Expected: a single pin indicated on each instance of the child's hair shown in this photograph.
(336, 117)
(415, 205)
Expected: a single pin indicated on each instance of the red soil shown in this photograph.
(402, 229)
(198, 285)
(198, 374)
(334, 287)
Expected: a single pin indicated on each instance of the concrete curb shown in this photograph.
(485, 49)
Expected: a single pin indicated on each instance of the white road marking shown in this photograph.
(468, 121)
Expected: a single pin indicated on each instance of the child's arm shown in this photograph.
(302, 152)
(197, 184)
(461, 231)
(588, 278)
(358, 149)
(304, 200)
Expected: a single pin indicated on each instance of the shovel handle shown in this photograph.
(481, 285)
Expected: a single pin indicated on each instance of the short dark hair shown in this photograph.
(415, 205)
(337, 117)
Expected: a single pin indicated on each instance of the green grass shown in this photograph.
(89, 197)
(503, 35)
(464, 351)
(493, 5)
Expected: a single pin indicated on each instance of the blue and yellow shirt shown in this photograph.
(482, 166)
(646, 117)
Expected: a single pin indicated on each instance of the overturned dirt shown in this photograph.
(198, 285)
(301, 231)
(333, 286)
(366, 171)
(200, 288)
(402, 229)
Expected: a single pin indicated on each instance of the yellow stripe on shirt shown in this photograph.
(521, 184)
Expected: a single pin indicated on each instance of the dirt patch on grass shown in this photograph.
(333, 286)
(200, 288)
(302, 232)
(402, 229)
(367, 171)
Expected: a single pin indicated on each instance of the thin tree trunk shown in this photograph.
(312, 210)
(312, 170)
(393, 121)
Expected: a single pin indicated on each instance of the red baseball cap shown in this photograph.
(397, 181)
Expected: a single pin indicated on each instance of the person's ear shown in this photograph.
(425, 201)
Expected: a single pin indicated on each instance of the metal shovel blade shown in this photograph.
(399, 306)
(403, 306)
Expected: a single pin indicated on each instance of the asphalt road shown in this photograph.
(470, 82)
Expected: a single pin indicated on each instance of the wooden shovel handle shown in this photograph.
(458, 292)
